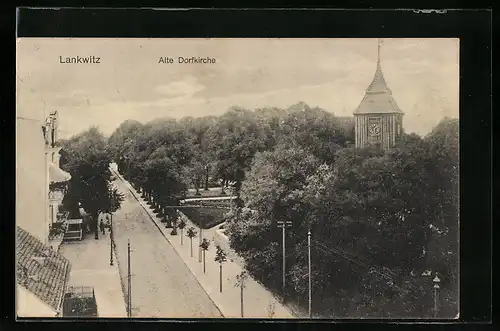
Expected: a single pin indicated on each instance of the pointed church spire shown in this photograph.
(378, 83)
(378, 97)
(378, 54)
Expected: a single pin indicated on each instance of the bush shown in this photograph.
(78, 306)
(205, 218)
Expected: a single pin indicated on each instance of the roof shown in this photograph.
(378, 103)
(378, 83)
(378, 97)
(40, 269)
(57, 175)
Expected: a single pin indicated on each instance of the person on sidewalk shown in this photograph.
(102, 227)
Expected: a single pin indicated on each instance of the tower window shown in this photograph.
(399, 129)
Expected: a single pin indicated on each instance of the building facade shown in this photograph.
(41, 273)
(57, 179)
(378, 119)
(40, 183)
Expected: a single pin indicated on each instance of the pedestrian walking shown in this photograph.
(102, 227)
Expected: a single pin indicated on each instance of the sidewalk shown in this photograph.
(256, 299)
(90, 266)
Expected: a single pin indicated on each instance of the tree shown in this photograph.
(236, 138)
(375, 207)
(270, 194)
(120, 141)
(380, 216)
(205, 243)
(116, 200)
(240, 282)
(181, 226)
(195, 173)
(442, 254)
(195, 130)
(191, 233)
(315, 130)
(155, 160)
(87, 159)
(221, 258)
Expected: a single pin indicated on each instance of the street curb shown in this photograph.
(117, 264)
(134, 194)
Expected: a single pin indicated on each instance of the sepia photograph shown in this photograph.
(254, 178)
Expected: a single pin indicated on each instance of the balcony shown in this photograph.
(57, 231)
(62, 216)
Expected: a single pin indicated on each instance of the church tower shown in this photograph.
(378, 118)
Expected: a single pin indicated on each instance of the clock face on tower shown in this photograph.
(374, 129)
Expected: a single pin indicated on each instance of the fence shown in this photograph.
(84, 291)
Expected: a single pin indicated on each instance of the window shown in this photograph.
(399, 129)
(51, 213)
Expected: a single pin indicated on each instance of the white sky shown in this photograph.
(129, 83)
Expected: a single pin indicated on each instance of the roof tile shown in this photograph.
(52, 275)
(378, 97)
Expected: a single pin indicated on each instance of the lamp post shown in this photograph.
(436, 282)
(111, 239)
(309, 271)
(111, 228)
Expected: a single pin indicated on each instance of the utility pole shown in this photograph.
(241, 300)
(309, 262)
(283, 226)
(129, 276)
(436, 282)
(220, 278)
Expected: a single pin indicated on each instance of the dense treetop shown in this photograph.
(379, 219)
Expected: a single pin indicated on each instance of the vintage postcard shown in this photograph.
(237, 178)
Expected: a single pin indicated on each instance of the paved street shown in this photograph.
(162, 285)
(257, 299)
